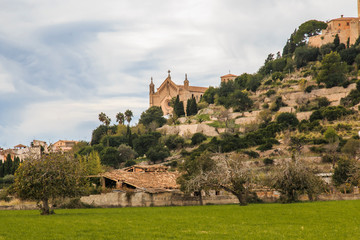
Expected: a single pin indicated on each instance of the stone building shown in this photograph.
(168, 89)
(347, 28)
(228, 77)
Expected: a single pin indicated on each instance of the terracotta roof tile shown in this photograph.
(229, 75)
(146, 180)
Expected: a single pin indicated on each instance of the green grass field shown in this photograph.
(318, 220)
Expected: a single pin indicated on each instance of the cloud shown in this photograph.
(63, 62)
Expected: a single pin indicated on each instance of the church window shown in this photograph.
(339, 24)
(347, 24)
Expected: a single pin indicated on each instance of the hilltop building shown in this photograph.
(63, 146)
(228, 77)
(168, 89)
(347, 28)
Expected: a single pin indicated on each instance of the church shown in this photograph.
(168, 89)
(347, 28)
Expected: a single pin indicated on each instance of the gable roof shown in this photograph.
(228, 75)
(145, 180)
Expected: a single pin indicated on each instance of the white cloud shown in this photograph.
(62, 62)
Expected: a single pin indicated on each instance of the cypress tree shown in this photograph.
(8, 165)
(188, 107)
(15, 165)
(194, 108)
(179, 107)
(1, 169)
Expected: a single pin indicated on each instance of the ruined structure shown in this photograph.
(168, 89)
(347, 28)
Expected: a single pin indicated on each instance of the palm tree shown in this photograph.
(120, 118)
(128, 116)
(104, 119)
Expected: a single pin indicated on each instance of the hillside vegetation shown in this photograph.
(299, 112)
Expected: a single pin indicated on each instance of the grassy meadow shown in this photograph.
(317, 220)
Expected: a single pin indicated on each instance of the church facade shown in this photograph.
(347, 28)
(168, 89)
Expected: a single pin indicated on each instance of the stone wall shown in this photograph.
(175, 198)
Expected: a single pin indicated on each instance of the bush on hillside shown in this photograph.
(198, 138)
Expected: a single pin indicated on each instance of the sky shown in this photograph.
(63, 62)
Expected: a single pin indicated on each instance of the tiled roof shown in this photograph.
(229, 75)
(145, 180)
(345, 19)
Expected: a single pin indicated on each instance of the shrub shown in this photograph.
(270, 92)
(322, 102)
(289, 119)
(157, 153)
(130, 163)
(265, 147)
(198, 138)
(268, 161)
(277, 75)
(252, 154)
(174, 142)
(308, 89)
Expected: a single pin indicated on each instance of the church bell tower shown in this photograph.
(358, 8)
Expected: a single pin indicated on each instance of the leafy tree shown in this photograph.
(240, 101)
(343, 171)
(295, 178)
(152, 114)
(209, 95)
(174, 141)
(332, 71)
(110, 156)
(289, 119)
(157, 153)
(351, 147)
(144, 142)
(114, 141)
(290, 46)
(198, 138)
(120, 118)
(330, 135)
(50, 177)
(91, 163)
(128, 116)
(126, 153)
(305, 54)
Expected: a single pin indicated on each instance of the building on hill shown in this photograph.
(347, 28)
(168, 90)
(63, 146)
(228, 77)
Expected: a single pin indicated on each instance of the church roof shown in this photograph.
(229, 75)
(194, 88)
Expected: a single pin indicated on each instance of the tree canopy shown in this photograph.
(50, 177)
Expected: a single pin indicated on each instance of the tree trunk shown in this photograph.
(242, 201)
(45, 209)
(200, 198)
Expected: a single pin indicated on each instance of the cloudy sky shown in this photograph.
(63, 62)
